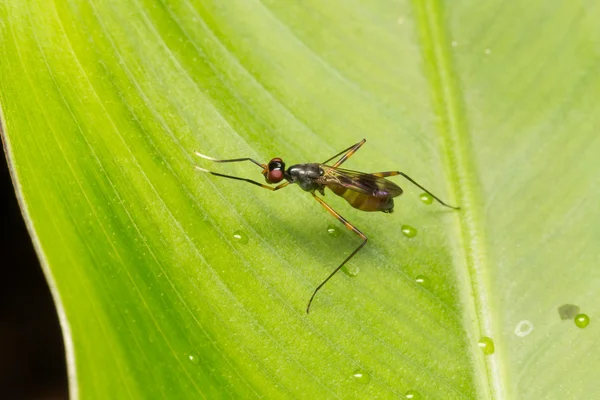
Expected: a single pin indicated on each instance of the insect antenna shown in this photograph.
(263, 166)
(237, 178)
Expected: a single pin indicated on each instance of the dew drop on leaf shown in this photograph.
(582, 320)
(361, 376)
(409, 231)
(333, 231)
(487, 345)
(194, 358)
(426, 198)
(422, 280)
(352, 271)
(413, 395)
(240, 237)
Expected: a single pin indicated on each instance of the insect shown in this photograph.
(363, 191)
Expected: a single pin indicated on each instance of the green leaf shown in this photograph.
(491, 105)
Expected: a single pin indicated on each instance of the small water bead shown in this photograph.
(409, 231)
(426, 198)
(352, 271)
(194, 358)
(361, 376)
(524, 328)
(487, 345)
(333, 231)
(413, 395)
(582, 320)
(422, 280)
(240, 237)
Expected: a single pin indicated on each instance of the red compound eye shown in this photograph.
(275, 176)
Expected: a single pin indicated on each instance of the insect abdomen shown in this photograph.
(363, 202)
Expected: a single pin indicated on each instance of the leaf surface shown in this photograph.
(172, 283)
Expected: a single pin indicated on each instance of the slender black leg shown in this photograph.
(280, 186)
(349, 151)
(394, 173)
(347, 225)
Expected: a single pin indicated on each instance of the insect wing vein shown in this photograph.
(360, 182)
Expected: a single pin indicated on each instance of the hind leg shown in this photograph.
(394, 173)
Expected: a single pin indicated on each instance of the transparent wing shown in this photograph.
(360, 182)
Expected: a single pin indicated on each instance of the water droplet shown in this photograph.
(361, 376)
(352, 271)
(426, 198)
(568, 311)
(488, 51)
(413, 394)
(333, 231)
(409, 231)
(422, 280)
(582, 320)
(194, 358)
(523, 328)
(487, 345)
(240, 237)
(454, 43)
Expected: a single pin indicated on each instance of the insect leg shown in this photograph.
(350, 150)
(349, 226)
(281, 186)
(263, 166)
(394, 173)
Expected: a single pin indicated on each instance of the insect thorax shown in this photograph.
(307, 176)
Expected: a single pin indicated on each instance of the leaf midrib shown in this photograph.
(471, 255)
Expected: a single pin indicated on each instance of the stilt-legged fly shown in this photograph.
(363, 191)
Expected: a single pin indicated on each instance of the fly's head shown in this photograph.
(274, 171)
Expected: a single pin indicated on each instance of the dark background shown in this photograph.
(32, 360)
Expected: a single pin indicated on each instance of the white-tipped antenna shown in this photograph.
(205, 157)
(230, 160)
(201, 169)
